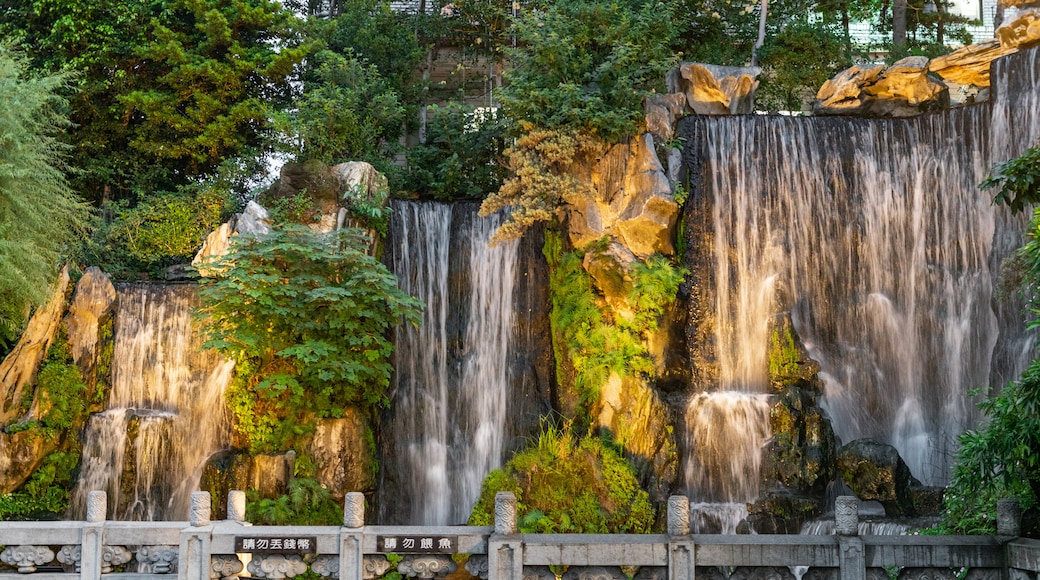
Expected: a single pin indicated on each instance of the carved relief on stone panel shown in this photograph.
(326, 566)
(224, 566)
(26, 558)
(877, 574)
(426, 566)
(1014, 574)
(276, 566)
(374, 567)
(594, 573)
(70, 558)
(477, 565)
(157, 559)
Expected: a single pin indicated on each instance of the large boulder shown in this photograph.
(21, 454)
(631, 200)
(254, 220)
(92, 306)
(1022, 32)
(18, 369)
(344, 455)
(843, 93)
(875, 471)
(662, 112)
(902, 90)
(715, 90)
(800, 456)
(969, 65)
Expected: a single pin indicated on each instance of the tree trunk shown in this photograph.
(940, 21)
(899, 27)
(845, 30)
(761, 32)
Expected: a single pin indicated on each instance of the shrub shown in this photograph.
(565, 485)
(306, 317)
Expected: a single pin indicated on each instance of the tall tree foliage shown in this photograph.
(223, 66)
(39, 214)
(98, 41)
(576, 84)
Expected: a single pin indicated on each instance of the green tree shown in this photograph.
(223, 67)
(576, 84)
(796, 62)
(348, 113)
(306, 317)
(40, 217)
(98, 42)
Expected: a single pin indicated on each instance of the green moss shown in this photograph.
(46, 493)
(784, 356)
(106, 347)
(567, 485)
(591, 343)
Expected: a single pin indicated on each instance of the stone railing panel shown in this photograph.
(224, 566)
(276, 566)
(426, 566)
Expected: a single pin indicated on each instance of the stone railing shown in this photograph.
(203, 550)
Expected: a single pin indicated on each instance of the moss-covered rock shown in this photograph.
(564, 484)
(801, 454)
(875, 471)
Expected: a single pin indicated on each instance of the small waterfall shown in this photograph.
(874, 233)
(451, 374)
(166, 412)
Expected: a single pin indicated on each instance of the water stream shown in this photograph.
(166, 412)
(452, 380)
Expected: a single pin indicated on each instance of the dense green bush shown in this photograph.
(1000, 459)
(307, 503)
(306, 317)
(1017, 180)
(565, 485)
(46, 494)
(795, 63)
(161, 229)
(461, 158)
(349, 113)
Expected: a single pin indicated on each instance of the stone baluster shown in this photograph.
(505, 550)
(1009, 518)
(93, 540)
(351, 548)
(681, 550)
(236, 506)
(851, 555)
(846, 516)
(196, 541)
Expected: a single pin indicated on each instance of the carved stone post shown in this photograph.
(92, 542)
(678, 515)
(505, 513)
(1009, 518)
(846, 516)
(681, 550)
(236, 506)
(505, 549)
(196, 541)
(351, 550)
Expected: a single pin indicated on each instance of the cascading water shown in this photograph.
(876, 236)
(451, 374)
(165, 412)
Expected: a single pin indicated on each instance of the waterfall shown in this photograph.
(165, 413)
(874, 233)
(451, 374)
